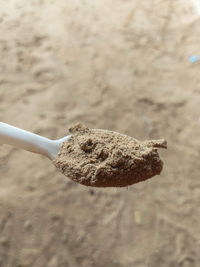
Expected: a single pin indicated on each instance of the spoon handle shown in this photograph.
(25, 140)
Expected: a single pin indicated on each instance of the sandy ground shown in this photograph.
(114, 64)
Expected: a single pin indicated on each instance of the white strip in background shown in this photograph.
(197, 6)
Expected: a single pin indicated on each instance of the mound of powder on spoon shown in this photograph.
(102, 158)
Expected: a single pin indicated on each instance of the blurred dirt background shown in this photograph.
(115, 64)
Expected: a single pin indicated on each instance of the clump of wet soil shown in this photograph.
(103, 158)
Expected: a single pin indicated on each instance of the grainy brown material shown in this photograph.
(104, 158)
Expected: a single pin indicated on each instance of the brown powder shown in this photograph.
(104, 158)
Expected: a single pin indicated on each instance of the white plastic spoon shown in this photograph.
(145, 164)
(29, 141)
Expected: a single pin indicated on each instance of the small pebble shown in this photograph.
(137, 217)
